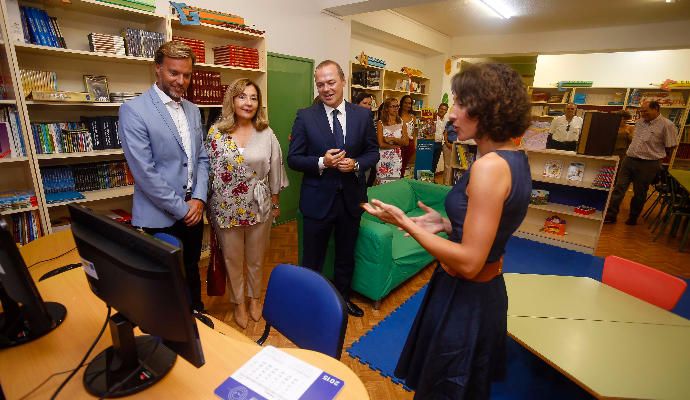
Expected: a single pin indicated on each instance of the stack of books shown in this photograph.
(40, 28)
(17, 199)
(102, 43)
(103, 132)
(197, 46)
(141, 43)
(236, 56)
(143, 5)
(50, 138)
(604, 178)
(40, 81)
(72, 179)
(26, 227)
(205, 88)
(121, 97)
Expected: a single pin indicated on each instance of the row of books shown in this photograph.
(26, 227)
(368, 78)
(11, 137)
(664, 98)
(197, 46)
(92, 133)
(141, 43)
(103, 43)
(236, 56)
(86, 177)
(17, 199)
(205, 88)
(40, 81)
(40, 28)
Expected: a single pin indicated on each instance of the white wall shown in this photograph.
(669, 35)
(624, 69)
(293, 27)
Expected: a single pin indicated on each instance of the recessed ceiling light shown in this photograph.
(498, 8)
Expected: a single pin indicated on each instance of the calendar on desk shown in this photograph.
(275, 375)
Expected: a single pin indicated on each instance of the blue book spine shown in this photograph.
(25, 25)
(44, 28)
(50, 31)
(34, 37)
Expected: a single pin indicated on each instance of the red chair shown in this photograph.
(645, 283)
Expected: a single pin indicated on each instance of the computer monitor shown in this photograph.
(25, 316)
(143, 279)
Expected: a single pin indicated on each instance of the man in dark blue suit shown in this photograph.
(333, 142)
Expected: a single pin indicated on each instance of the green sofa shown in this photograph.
(384, 257)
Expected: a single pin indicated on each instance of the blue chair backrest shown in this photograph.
(306, 308)
(169, 239)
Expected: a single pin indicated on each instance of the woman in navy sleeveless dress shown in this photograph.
(456, 346)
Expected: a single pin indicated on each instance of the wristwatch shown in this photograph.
(275, 206)
(356, 166)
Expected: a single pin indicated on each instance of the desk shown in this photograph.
(580, 298)
(568, 322)
(23, 367)
(682, 176)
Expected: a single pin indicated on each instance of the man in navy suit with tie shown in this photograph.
(333, 142)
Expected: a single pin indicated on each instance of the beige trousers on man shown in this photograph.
(447, 170)
(242, 243)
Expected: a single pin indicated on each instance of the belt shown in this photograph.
(488, 272)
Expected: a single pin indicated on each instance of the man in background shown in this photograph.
(438, 134)
(565, 130)
(161, 136)
(655, 137)
(333, 142)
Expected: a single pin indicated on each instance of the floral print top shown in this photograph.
(241, 184)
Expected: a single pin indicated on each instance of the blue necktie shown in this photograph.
(338, 131)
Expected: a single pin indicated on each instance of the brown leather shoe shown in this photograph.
(255, 309)
(241, 317)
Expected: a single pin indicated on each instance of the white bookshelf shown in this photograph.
(388, 86)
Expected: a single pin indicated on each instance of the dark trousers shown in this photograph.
(438, 146)
(191, 238)
(315, 236)
(641, 173)
(556, 145)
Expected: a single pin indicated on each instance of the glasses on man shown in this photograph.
(567, 128)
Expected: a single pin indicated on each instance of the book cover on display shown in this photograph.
(576, 171)
(553, 169)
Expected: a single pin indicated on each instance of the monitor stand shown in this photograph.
(130, 365)
(17, 326)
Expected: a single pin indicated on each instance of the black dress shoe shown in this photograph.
(631, 221)
(353, 310)
(609, 220)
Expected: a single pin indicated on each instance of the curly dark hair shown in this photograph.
(361, 96)
(495, 94)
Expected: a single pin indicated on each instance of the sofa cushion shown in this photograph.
(398, 192)
(430, 194)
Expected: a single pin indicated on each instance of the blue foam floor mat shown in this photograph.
(528, 377)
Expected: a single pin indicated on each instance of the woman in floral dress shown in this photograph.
(245, 179)
(392, 135)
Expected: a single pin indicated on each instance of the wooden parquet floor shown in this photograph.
(633, 242)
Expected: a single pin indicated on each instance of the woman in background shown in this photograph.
(457, 343)
(410, 121)
(246, 176)
(392, 136)
(363, 99)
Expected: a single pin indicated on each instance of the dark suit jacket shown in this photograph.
(311, 138)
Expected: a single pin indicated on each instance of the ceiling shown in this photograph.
(468, 17)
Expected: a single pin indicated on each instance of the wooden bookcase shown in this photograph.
(77, 19)
(582, 230)
(391, 84)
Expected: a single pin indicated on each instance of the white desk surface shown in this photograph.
(612, 359)
(551, 296)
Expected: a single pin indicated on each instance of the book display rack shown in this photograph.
(66, 67)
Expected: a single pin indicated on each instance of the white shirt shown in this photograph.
(180, 120)
(564, 131)
(440, 127)
(341, 118)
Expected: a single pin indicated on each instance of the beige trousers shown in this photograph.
(240, 244)
(447, 170)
